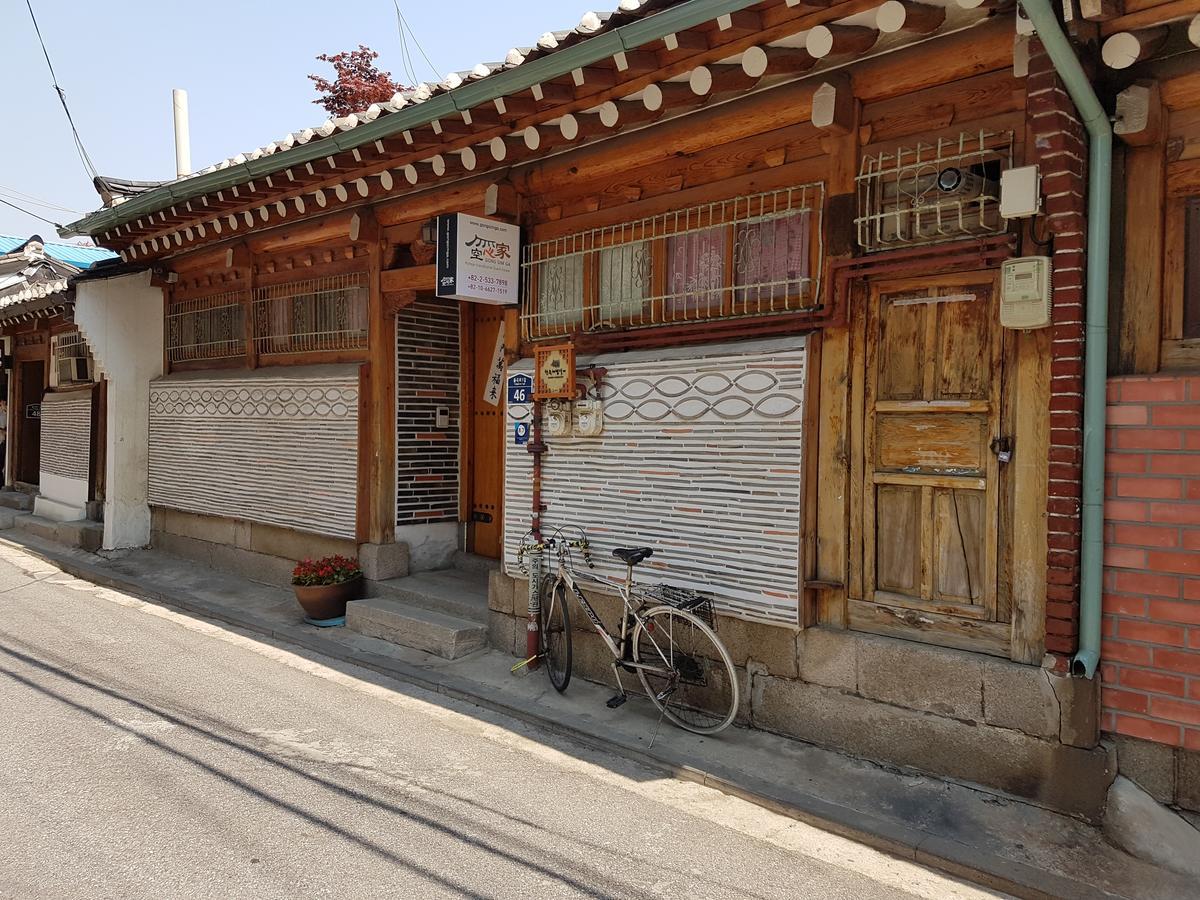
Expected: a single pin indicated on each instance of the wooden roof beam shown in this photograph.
(758, 62)
(839, 40)
(717, 79)
(906, 16)
(1123, 49)
(742, 23)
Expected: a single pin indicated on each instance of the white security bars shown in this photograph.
(933, 192)
(749, 256)
(318, 314)
(212, 327)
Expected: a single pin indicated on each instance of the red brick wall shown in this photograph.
(1061, 151)
(1150, 658)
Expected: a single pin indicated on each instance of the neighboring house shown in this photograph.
(771, 234)
(54, 451)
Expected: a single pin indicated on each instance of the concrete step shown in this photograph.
(16, 500)
(408, 625)
(469, 562)
(80, 533)
(450, 591)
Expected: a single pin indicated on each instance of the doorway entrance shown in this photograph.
(484, 462)
(932, 450)
(31, 385)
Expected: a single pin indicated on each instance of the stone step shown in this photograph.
(470, 562)
(81, 533)
(450, 591)
(399, 622)
(16, 500)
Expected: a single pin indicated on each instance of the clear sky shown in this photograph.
(243, 65)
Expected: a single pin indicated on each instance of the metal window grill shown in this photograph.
(72, 358)
(314, 315)
(748, 256)
(933, 192)
(212, 327)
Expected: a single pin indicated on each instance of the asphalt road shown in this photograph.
(145, 753)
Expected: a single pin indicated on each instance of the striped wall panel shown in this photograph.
(276, 449)
(67, 435)
(700, 459)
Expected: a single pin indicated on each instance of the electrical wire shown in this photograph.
(88, 165)
(28, 213)
(404, 26)
(21, 197)
(405, 59)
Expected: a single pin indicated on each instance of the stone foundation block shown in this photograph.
(500, 593)
(1148, 764)
(380, 562)
(1020, 697)
(1079, 709)
(1187, 775)
(921, 677)
(829, 657)
(501, 632)
(1063, 778)
(771, 646)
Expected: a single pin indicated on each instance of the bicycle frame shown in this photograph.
(616, 647)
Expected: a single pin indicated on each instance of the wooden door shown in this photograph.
(486, 442)
(932, 436)
(31, 385)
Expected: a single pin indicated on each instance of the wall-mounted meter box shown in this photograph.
(589, 418)
(558, 418)
(1020, 192)
(1025, 292)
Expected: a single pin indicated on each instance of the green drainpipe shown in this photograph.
(1095, 374)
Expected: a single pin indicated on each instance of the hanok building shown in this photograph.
(53, 461)
(822, 271)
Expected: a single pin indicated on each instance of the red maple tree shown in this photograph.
(357, 82)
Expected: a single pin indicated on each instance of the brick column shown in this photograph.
(1060, 149)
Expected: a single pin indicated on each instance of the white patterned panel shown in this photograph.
(700, 459)
(281, 450)
(66, 441)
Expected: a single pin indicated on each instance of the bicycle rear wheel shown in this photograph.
(555, 635)
(697, 686)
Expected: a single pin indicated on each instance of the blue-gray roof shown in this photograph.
(72, 254)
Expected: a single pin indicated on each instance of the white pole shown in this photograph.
(183, 152)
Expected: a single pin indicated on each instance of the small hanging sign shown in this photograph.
(33, 410)
(520, 433)
(494, 388)
(477, 259)
(555, 368)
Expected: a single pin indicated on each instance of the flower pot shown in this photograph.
(327, 601)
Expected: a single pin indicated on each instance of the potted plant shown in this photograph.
(323, 586)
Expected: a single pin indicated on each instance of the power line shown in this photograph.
(28, 213)
(62, 97)
(404, 26)
(14, 194)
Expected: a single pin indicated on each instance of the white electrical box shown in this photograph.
(589, 418)
(1020, 192)
(558, 418)
(1025, 292)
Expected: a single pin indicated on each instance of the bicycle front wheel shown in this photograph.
(693, 680)
(555, 635)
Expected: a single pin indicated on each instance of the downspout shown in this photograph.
(1095, 373)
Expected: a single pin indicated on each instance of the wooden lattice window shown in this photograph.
(749, 256)
(313, 315)
(212, 327)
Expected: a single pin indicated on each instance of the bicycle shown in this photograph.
(682, 664)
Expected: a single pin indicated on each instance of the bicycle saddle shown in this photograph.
(631, 556)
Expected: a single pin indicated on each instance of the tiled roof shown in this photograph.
(72, 254)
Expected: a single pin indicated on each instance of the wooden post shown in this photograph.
(378, 451)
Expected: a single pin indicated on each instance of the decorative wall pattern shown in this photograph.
(427, 366)
(277, 449)
(67, 434)
(700, 459)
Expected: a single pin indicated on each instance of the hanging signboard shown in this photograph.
(477, 259)
(494, 389)
(555, 371)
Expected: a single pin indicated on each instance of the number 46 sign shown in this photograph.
(520, 388)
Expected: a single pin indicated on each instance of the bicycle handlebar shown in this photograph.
(562, 545)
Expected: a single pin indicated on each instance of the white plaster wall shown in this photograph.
(61, 498)
(122, 320)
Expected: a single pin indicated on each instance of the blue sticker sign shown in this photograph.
(520, 388)
(521, 433)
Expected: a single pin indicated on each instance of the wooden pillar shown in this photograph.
(377, 430)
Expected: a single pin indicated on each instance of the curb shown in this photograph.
(948, 856)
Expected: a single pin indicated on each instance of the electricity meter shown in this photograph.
(589, 418)
(558, 418)
(1025, 292)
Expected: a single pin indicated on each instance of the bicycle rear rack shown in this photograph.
(692, 601)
